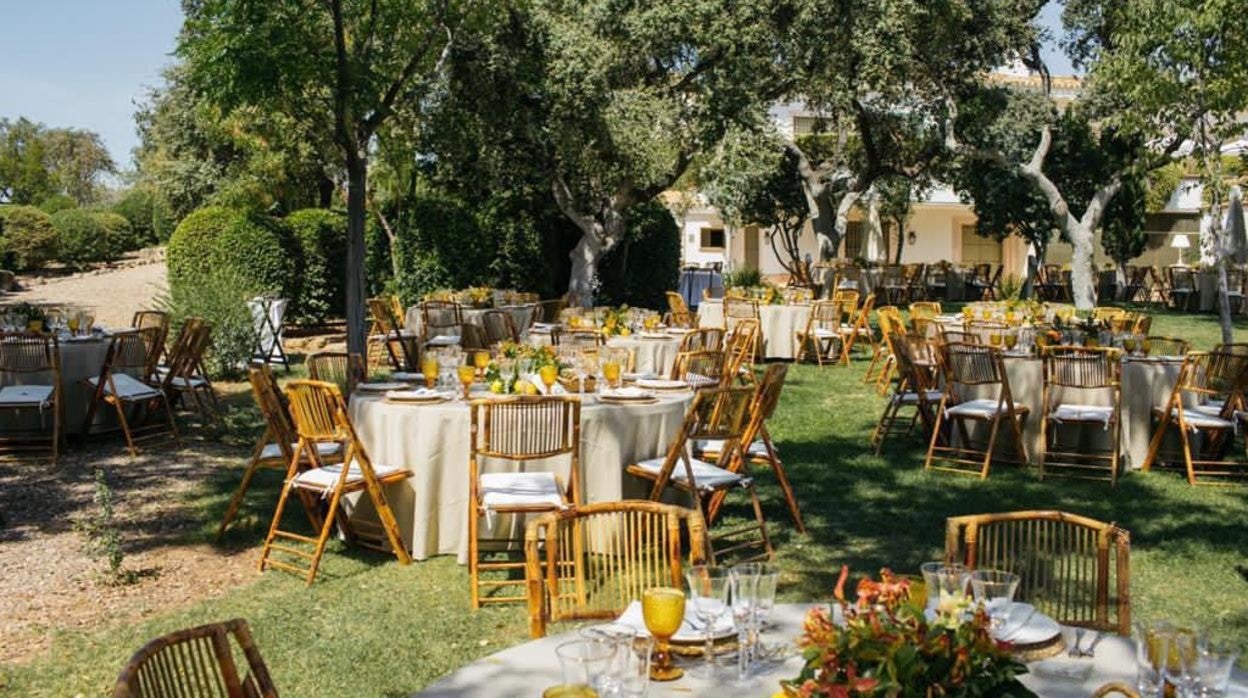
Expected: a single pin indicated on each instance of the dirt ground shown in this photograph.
(112, 293)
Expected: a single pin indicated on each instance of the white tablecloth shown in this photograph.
(433, 442)
(80, 360)
(778, 324)
(525, 670)
(521, 316)
(652, 354)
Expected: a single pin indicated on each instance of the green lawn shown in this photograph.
(370, 627)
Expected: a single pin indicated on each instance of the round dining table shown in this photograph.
(522, 315)
(778, 324)
(526, 669)
(432, 440)
(81, 358)
(653, 353)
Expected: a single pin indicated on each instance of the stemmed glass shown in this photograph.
(708, 591)
(946, 585)
(766, 578)
(663, 609)
(481, 361)
(467, 374)
(611, 369)
(548, 373)
(1152, 649)
(744, 588)
(995, 590)
(429, 368)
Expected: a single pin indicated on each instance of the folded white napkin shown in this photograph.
(627, 393)
(661, 384)
(691, 628)
(418, 394)
(536, 380)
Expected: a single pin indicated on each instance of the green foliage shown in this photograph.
(102, 532)
(28, 237)
(441, 247)
(120, 234)
(219, 295)
(1011, 287)
(745, 277)
(254, 248)
(646, 265)
(1161, 185)
(38, 163)
(56, 203)
(1122, 228)
(322, 238)
(82, 239)
(138, 205)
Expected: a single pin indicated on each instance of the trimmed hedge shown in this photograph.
(82, 239)
(259, 250)
(322, 238)
(120, 234)
(27, 237)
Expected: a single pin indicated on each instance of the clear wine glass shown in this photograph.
(708, 592)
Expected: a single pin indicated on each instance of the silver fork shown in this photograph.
(1074, 650)
(1091, 651)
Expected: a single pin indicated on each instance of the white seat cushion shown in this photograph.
(273, 450)
(128, 387)
(191, 383)
(502, 490)
(326, 477)
(697, 380)
(1199, 420)
(707, 475)
(823, 333)
(443, 340)
(758, 449)
(912, 398)
(1213, 408)
(26, 395)
(983, 408)
(1083, 413)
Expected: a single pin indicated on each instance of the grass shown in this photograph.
(370, 627)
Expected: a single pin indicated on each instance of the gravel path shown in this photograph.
(113, 294)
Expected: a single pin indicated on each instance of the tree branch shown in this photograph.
(563, 197)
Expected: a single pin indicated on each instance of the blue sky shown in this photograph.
(85, 63)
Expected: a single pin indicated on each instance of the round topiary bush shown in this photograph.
(56, 203)
(261, 250)
(82, 238)
(118, 232)
(27, 237)
(322, 237)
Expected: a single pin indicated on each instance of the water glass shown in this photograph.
(708, 593)
(627, 674)
(744, 594)
(1210, 671)
(1152, 649)
(995, 590)
(584, 662)
(946, 584)
(634, 666)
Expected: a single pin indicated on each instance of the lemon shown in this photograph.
(496, 386)
(625, 332)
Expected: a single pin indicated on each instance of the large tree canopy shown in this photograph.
(37, 163)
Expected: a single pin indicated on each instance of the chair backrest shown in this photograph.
(765, 401)
(925, 310)
(740, 346)
(440, 315)
(740, 309)
(526, 428)
(24, 353)
(1143, 324)
(187, 353)
(676, 303)
(913, 377)
(1107, 313)
(591, 561)
(703, 339)
(848, 298)
(159, 319)
(549, 310)
(826, 315)
(272, 407)
(318, 411)
(1181, 278)
(1082, 367)
(973, 364)
(1212, 374)
(1068, 563)
(700, 369)
(472, 338)
(341, 368)
(894, 275)
(718, 414)
(961, 336)
(578, 339)
(499, 327)
(385, 320)
(1165, 346)
(197, 663)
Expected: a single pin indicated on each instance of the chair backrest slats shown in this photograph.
(338, 367)
(197, 663)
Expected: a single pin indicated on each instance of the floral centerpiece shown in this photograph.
(888, 647)
(476, 297)
(25, 316)
(505, 374)
(615, 321)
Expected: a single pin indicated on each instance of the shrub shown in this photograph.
(56, 203)
(218, 295)
(138, 207)
(322, 238)
(82, 238)
(163, 220)
(256, 249)
(118, 232)
(642, 268)
(29, 238)
(441, 247)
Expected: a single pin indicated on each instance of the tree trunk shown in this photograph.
(848, 199)
(901, 239)
(585, 257)
(357, 178)
(1082, 278)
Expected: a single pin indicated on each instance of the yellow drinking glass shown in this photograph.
(1147, 346)
(467, 374)
(611, 372)
(481, 361)
(1128, 343)
(73, 323)
(663, 609)
(968, 313)
(548, 374)
(429, 369)
(1011, 340)
(649, 322)
(994, 338)
(1009, 317)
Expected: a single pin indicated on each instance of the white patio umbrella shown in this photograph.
(1235, 236)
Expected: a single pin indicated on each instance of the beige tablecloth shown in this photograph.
(521, 316)
(778, 323)
(79, 360)
(433, 442)
(651, 354)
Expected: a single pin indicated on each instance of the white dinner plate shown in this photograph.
(1026, 626)
(626, 395)
(630, 377)
(691, 630)
(662, 384)
(380, 387)
(418, 397)
(654, 335)
(679, 330)
(405, 377)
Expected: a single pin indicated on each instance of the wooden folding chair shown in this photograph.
(858, 323)
(916, 289)
(517, 430)
(893, 285)
(888, 318)
(499, 327)
(1155, 345)
(971, 367)
(123, 385)
(275, 448)
(144, 319)
(30, 365)
(1067, 563)
(320, 417)
(1206, 402)
(441, 323)
(702, 339)
(962, 336)
(738, 309)
(343, 369)
(718, 414)
(592, 561)
(185, 375)
(678, 312)
(268, 313)
(1083, 369)
(740, 348)
(822, 335)
(549, 310)
(197, 663)
(1181, 285)
(936, 280)
(916, 389)
(1107, 314)
(402, 346)
(702, 370)
(1136, 289)
(577, 339)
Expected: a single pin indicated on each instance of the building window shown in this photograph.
(977, 249)
(712, 239)
(806, 125)
(852, 244)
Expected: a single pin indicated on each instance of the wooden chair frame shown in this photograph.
(589, 562)
(195, 663)
(581, 339)
(1085, 369)
(858, 326)
(894, 286)
(1157, 345)
(153, 318)
(740, 347)
(402, 347)
(822, 333)
(1206, 379)
(1181, 289)
(702, 370)
(185, 376)
(1054, 552)
(260, 353)
(679, 314)
(499, 327)
(341, 368)
(124, 385)
(889, 319)
(738, 309)
(702, 339)
(320, 416)
(916, 388)
(441, 311)
(23, 355)
(974, 365)
(518, 429)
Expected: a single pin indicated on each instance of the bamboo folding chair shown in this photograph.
(343, 369)
(472, 338)
(718, 414)
(981, 281)
(275, 449)
(402, 346)
(1067, 563)
(1155, 345)
(577, 339)
(973, 366)
(1181, 287)
(1083, 369)
(678, 311)
(185, 376)
(549, 310)
(1206, 402)
(916, 288)
(31, 365)
(1143, 324)
(320, 416)
(123, 385)
(893, 285)
(144, 319)
(756, 443)
(517, 430)
(738, 309)
(740, 348)
(1107, 314)
(936, 280)
(197, 663)
(592, 561)
(499, 327)
(858, 324)
(441, 322)
(916, 388)
(822, 335)
(701, 369)
(962, 336)
(702, 339)
(1158, 288)
(889, 320)
(924, 310)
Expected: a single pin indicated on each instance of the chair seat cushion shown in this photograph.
(503, 490)
(192, 383)
(912, 398)
(983, 408)
(326, 477)
(1200, 420)
(707, 475)
(758, 449)
(1083, 413)
(327, 448)
(128, 387)
(26, 395)
(1213, 407)
(824, 333)
(443, 340)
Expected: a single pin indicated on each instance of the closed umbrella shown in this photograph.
(1236, 236)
